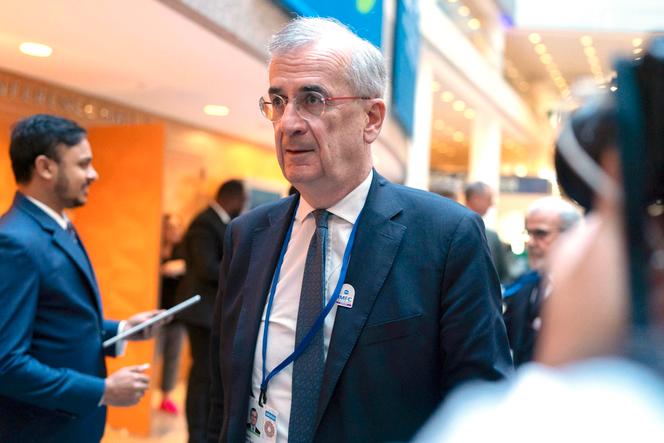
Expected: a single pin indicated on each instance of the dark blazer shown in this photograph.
(426, 316)
(522, 300)
(52, 366)
(203, 249)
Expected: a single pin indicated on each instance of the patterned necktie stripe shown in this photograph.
(308, 369)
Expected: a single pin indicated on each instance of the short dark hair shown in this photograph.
(476, 188)
(230, 189)
(595, 128)
(37, 135)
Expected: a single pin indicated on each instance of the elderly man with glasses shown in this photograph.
(546, 219)
(346, 311)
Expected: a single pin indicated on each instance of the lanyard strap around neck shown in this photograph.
(302, 346)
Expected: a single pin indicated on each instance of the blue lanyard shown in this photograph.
(299, 350)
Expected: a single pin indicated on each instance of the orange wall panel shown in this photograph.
(120, 227)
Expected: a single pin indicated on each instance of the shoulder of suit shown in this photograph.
(427, 203)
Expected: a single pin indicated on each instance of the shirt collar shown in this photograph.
(348, 208)
(60, 219)
(221, 212)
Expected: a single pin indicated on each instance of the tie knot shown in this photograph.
(321, 216)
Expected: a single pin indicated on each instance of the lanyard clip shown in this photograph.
(262, 397)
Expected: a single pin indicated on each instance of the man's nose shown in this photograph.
(93, 174)
(291, 121)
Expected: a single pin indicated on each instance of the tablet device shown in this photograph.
(152, 320)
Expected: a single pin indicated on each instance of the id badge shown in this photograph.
(261, 423)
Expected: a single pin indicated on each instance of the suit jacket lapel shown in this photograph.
(376, 245)
(266, 244)
(76, 252)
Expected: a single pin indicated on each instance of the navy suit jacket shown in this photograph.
(523, 300)
(51, 331)
(203, 249)
(426, 316)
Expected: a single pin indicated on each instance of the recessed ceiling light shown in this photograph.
(590, 51)
(459, 105)
(438, 125)
(435, 86)
(463, 11)
(534, 38)
(637, 41)
(469, 114)
(474, 24)
(546, 59)
(216, 110)
(35, 49)
(447, 96)
(458, 136)
(586, 40)
(540, 48)
(637, 50)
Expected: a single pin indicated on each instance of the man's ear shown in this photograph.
(375, 119)
(45, 167)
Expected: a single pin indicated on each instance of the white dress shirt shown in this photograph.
(283, 317)
(221, 212)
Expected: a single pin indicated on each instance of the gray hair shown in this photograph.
(366, 72)
(476, 188)
(569, 215)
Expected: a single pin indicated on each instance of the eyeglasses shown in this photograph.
(538, 233)
(308, 104)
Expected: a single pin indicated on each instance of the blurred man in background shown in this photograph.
(203, 250)
(53, 384)
(479, 198)
(546, 219)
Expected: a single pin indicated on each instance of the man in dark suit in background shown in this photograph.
(203, 249)
(417, 308)
(479, 198)
(53, 384)
(546, 219)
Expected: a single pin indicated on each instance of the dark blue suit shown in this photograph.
(51, 331)
(426, 316)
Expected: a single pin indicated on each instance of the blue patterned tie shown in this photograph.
(72, 232)
(308, 369)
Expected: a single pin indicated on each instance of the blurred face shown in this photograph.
(74, 174)
(323, 153)
(172, 229)
(481, 203)
(543, 228)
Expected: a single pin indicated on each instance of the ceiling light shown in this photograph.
(458, 137)
(438, 124)
(459, 105)
(474, 24)
(452, 1)
(637, 50)
(637, 41)
(469, 114)
(463, 11)
(586, 40)
(35, 49)
(590, 51)
(447, 96)
(520, 170)
(534, 38)
(613, 88)
(540, 48)
(435, 86)
(216, 110)
(546, 59)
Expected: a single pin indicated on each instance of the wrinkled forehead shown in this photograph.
(322, 60)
